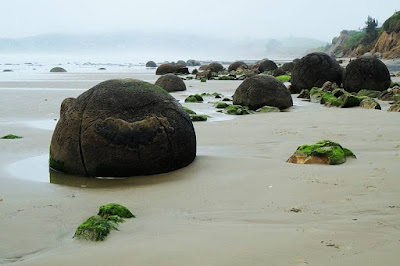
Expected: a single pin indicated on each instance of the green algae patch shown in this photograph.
(330, 100)
(284, 78)
(316, 95)
(198, 118)
(268, 109)
(56, 164)
(323, 152)
(189, 111)
(237, 110)
(226, 100)
(11, 136)
(217, 95)
(350, 100)
(115, 209)
(221, 105)
(203, 80)
(97, 227)
(194, 98)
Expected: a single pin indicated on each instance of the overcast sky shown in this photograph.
(235, 19)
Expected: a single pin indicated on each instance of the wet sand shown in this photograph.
(230, 207)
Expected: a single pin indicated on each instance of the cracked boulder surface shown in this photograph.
(120, 128)
(314, 70)
(367, 73)
(170, 82)
(261, 90)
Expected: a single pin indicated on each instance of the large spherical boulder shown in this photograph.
(151, 64)
(58, 69)
(122, 128)
(261, 90)
(266, 65)
(234, 66)
(314, 70)
(367, 73)
(166, 69)
(215, 67)
(171, 82)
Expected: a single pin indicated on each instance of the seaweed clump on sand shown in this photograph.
(194, 116)
(97, 227)
(323, 152)
(11, 136)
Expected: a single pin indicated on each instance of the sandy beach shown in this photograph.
(232, 206)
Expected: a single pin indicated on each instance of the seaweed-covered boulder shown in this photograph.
(234, 66)
(237, 110)
(122, 128)
(166, 69)
(369, 93)
(266, 65)
(323, 152)
(196, 98)
(170, 82)
(329, 86)
(262, 90)
(314, 70)
(151, 64)
(304, 94)
(366, 74)
(215, 67)
(58, 69)
(268, 109)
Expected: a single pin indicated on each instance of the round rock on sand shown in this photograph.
(261, 90)
(314, 70)
(215, 67)
(171, 82)
(234, 66)
(368, 73)
(151, 64)
(166, 69)
(266, 65)
(122, 128)
(58, 69)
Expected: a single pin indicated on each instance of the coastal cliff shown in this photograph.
(384, 40)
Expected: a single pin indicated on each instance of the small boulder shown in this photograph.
(370, 103)
(215, 67)
(58, 69)
(166, 69)
(266, 65)
(323, 152)
(181, 63)
(234, 66)
(170, 82)
(151, 64)
(262, 90)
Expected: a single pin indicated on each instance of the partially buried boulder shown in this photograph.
(170, 82)
(261, 90)
(288, 67)
(367, 73)
(151, 64)
(58, 69)
(122, 128)
(314, 70)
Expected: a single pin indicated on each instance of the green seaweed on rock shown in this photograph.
(324, 151)
(97, 227)
(238, 110)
